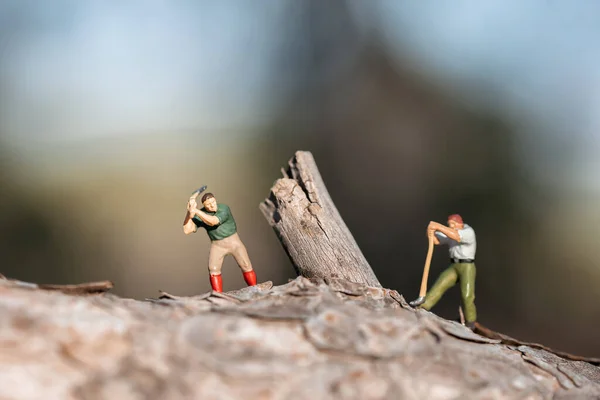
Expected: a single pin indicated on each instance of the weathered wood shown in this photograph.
(302, 340)
(337, 335)
(310, 228)
(482, 330)
(80, 289)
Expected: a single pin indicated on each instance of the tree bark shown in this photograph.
(308, 339)
(311, 229)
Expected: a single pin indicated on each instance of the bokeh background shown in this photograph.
(112, 112)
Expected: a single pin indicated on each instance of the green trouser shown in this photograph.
(466, 273)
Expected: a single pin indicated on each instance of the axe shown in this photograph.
(197, 192)
(194, 196)
(421, 299)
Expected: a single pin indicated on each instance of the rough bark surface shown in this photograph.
(302, 340)
(310, 227)
(338, 335)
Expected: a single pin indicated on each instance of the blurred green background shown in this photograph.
(112, 112)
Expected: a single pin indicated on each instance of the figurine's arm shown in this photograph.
(210, 220)
(188, 223)
(451, 233)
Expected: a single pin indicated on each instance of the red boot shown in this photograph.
(250, 278)
(216, 282)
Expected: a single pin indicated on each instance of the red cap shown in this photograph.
(456, 218)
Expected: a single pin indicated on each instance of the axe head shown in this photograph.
(199, 190)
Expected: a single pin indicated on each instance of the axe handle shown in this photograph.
(423, 291)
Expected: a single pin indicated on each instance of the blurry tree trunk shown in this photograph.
(310, 227)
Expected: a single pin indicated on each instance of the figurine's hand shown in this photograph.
(192, 206)
(431, 228)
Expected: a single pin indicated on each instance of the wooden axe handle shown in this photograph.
(423, 291)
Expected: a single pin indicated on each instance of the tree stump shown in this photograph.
(310, 227)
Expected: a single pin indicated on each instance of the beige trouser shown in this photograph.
(230, 245)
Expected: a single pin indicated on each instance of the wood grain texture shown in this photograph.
(310, 228)
(307, 339)
(90, 288)
(337, 335)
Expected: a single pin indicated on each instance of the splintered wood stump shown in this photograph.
(310, 227)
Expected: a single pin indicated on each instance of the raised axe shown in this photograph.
(197, 192)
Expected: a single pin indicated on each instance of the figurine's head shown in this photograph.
(209, 202)
(455, 221)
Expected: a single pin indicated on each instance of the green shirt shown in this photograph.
(226, 226)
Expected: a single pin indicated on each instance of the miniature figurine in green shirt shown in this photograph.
(460, 239)
(218, 221)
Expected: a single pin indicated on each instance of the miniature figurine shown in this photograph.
(460, 239)
(218, 221)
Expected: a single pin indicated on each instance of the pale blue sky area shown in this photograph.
(117, 68)
(73, 69)
(543, 54)
(537, 57)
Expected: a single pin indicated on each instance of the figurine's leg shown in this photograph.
(446, 280)
(215, 262)
(467, 289)
(250, 278)
(241, 257)
(216, 282)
